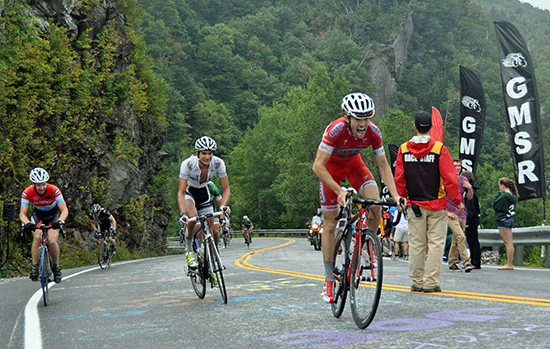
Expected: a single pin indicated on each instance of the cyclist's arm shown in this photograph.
(64, 211)
(224, 181)
(320, 170)
(94, 226)
(386, 175)
(113, 222)
(181, 194)
(23, 214)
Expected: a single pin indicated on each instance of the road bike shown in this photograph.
(46, 262)
(226, 232)
(210, 266)
(357, 263)
(104, 250)
(247, 233)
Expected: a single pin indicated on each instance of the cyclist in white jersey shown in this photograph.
(193, 194)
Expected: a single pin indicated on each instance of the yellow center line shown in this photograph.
(244, 262)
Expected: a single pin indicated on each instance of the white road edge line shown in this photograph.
(33, 333)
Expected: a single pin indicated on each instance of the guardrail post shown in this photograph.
(547, 249)
(518, 255)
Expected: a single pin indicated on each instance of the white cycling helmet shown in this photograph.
(205, 143)
(358, 105)
(96, 208)
(39, 175)
(245, 217)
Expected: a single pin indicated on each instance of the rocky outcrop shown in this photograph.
(122, 181)
(386, 68)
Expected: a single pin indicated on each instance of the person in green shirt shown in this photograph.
(504, 204)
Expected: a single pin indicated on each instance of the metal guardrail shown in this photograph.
(529, 236)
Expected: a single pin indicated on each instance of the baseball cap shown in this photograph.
(423, 120)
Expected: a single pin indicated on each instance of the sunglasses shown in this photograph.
(361, 116)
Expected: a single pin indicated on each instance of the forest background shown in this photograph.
(263, 78)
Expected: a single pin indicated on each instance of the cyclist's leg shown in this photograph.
(35, 248)
(53, 235)
(191, 211)
(369, 190)
(214, 229)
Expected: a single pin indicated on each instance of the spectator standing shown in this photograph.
(472, 222)
(457, 222)
(401, 234)
(424, 171)
(504, 204)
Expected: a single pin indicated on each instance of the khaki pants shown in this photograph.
(428, 231)
(459, 242)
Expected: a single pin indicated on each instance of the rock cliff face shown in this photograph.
(386, 69)
(124, 183)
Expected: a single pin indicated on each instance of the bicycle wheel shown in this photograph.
(366, 281)
(248, 240)
(109, 255)
(218, 267)
(225, 240)
(102, 255)
(340, 263)
(197, 275)
(45, 270)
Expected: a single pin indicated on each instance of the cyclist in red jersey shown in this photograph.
(337, 159)
(49, 207)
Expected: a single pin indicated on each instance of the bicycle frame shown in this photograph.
(213, 270)
(45, 261)
(362, 266)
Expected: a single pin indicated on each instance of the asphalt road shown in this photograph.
(274, 302)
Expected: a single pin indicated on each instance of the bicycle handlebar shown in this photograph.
(45, 228)
(369, 202)
(204, 216)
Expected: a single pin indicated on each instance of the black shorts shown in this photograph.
(45, 217)
(201, 197)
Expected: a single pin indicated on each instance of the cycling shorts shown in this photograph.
(45, 217)
(356, 172)
(202, 199)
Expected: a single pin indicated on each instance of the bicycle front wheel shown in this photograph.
(198, 280)
(218, 267)
(366, 279)
(45, 272)
(340, 264)
(103, 255)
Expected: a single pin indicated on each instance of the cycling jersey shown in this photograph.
(342, 144)
(44, 203)
(191, 171)
(103, 220)
(345, 161)
(247, 224)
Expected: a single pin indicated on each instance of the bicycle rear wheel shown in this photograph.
(340, 264)
(366, 279)
(45, 271)
(103, 255)
(225, 240)
(218, 267)
(198, 280)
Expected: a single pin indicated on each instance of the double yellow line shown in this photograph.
(244, 262)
